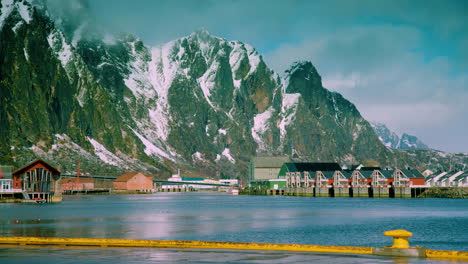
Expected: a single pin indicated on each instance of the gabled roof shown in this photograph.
(32, 164)
(387, 173)
(459, 177)
(455, 175)
(412, 173)
(446, 176)
(367, 174)
(347, 174)
(127, 176)
(439, 176)
(328, 174)
(312, 166)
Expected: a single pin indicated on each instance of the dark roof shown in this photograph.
(192, 179)
(370, 168)
(172, 183)
(354, 166)
(387, 173)
(459, 177)
(367, 174)
(30, 165)
(446, 176)
(412, 173)
(312, 166)
(328, 174)
(347, 174)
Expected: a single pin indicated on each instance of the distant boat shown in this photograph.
(232, 191)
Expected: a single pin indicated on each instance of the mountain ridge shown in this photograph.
(202, 103)
(392, 140)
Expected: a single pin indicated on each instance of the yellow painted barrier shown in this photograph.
(447, 254)
(107, 242)
(110, 242)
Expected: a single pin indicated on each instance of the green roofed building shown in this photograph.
(266, 167)
(307, 166)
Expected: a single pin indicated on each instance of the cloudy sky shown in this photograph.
(403, 62)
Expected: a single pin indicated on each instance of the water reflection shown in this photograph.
(436, 223)
(83, 255)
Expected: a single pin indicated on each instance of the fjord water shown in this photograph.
(435, 223)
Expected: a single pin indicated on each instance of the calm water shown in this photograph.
(435, 223)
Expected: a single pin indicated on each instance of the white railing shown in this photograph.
(10, 190)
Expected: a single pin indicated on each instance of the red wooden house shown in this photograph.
(38, 180)
(134, 181)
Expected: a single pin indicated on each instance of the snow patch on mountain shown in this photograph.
(235, 58)
(197, 156)
(207, 81)
(26, 55)
(162, 72)
(7, 7)
(138, 81)
(104, 154)
(17, 26)
(227, 153)
(151, 149)
(288, 111)
(261, 126)
(254, 58)
(23, 8)
(60, 46)
(25, 11)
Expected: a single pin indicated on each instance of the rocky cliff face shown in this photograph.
(201, 103)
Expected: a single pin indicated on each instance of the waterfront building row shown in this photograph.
(448, 179)
(356, 178)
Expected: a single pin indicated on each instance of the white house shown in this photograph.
(450, 179)
(435, 180)
(462, 180)
(6, 180)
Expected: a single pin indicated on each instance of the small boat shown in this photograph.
(39, 200)
(232, 191)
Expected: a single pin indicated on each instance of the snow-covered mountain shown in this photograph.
(201, 103)
(392, 140)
